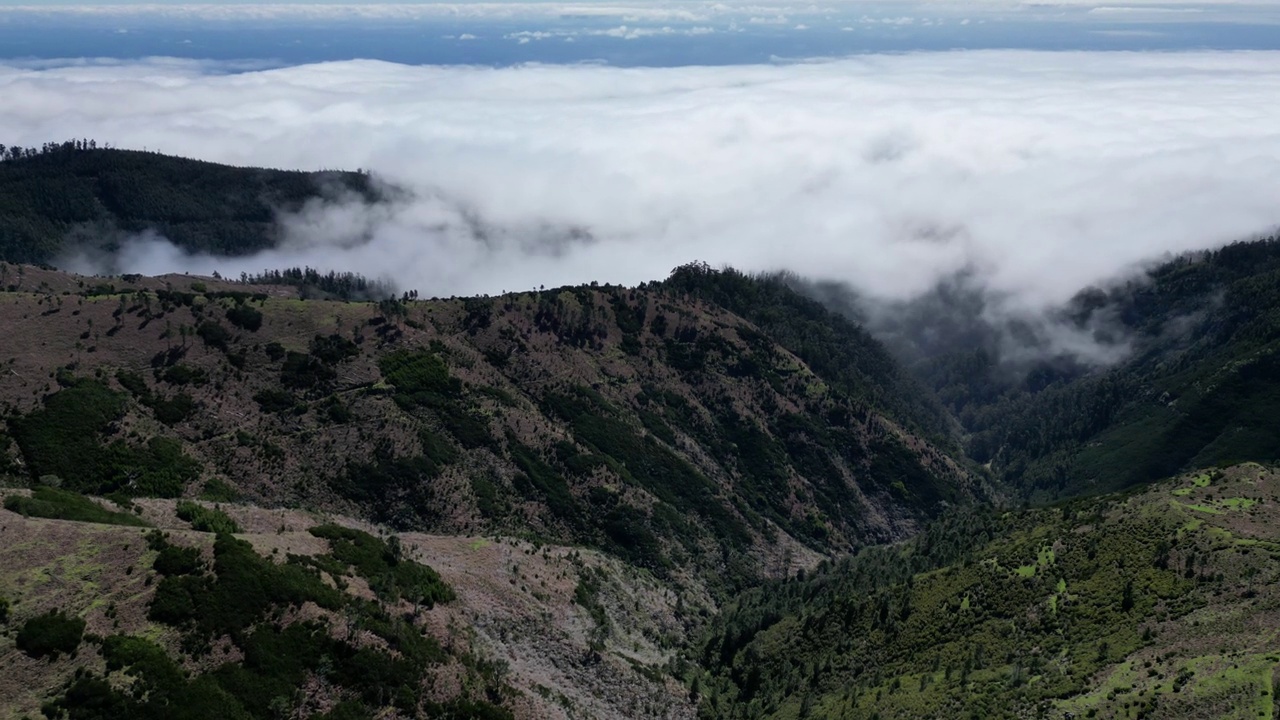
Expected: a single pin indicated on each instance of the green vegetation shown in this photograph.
(642, 460)
(987, 616)
(245, 317)
(50, 635)
(206, 519)
(47, 502)
(837, 349)
(66, 439)
(244, 586)
(242, 596)
(382, 563)
(1198, 387)
(396, 490)
(74, 194)
(419, 378)
(275, 400)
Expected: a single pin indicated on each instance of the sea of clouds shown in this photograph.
(1037, 173)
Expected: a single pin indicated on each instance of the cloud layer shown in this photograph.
(1040, 172)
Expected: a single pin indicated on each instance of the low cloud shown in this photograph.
(1038, 173)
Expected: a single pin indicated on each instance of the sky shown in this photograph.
(627, 139)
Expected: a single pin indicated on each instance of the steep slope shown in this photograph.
(1170, 370)
(94, 199)
(1162, 603)
(645, 421)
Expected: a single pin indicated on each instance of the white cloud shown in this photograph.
(1042, 171)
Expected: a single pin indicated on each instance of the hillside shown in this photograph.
(318, 617)
(1161, 604)
(716, 495)
(647, 422)
(1182, 375)
(70, 197)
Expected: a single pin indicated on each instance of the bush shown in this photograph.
(182, 374)
(4, 610)
(217, 490)
(275, 400)
(205, 519)
(245, 317)
(390, 575)
(245, 586)
(174, 410)
(214, 334)
(416, 375)
(50, 635)
(48, 502)
(177, 560)
(301, 372)
(333, 349)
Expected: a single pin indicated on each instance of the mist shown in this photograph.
(1035, 174)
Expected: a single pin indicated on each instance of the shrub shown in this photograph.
(50, 635)
(182, 374)
(214, 334)
(174, 410)
(177, 560)
(390, 575)
(417, 374)
(275, 400)
(301, 371)
(205, 519)
(48, 502)
(245, 317)
(66, 438)
(333, 349)
(135, 384)
(217, 490)
(245, 586)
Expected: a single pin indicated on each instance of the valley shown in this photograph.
(308, 494)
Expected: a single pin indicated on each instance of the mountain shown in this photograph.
(70, 197)
(718, 495)
(565, 485)
(1158, 604)
(645, 421)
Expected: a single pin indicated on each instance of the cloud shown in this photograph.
(1039, 173)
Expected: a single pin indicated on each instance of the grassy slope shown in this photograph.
(660, 427)
(103, 196)
(1161, 603)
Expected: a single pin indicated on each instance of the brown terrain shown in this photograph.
(509, 353)
(515, 605)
